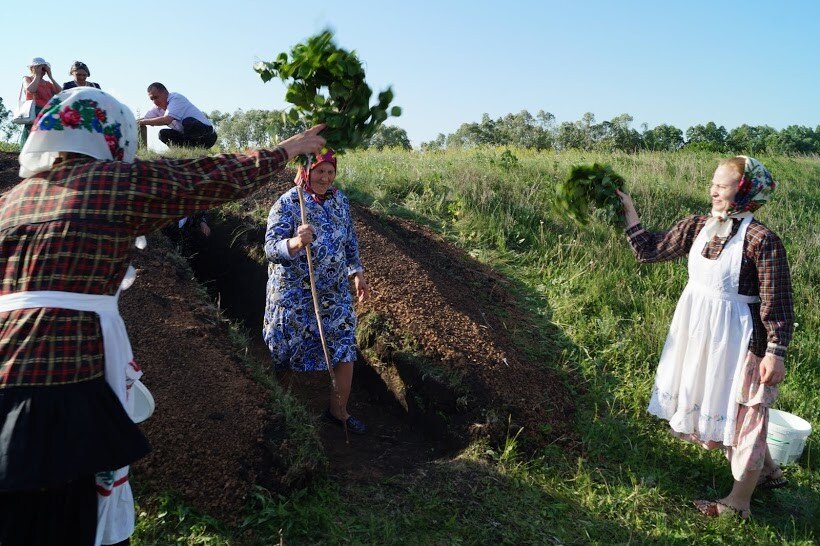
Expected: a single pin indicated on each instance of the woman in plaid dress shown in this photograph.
(66, 236)
(723, 356)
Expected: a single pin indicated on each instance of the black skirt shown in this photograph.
(64, 515)
(53, 435)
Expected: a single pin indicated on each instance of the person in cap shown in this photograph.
(290, 329)
(79, 70)
(187, 124)
(67, 232)
(39, 90)
(723, 356)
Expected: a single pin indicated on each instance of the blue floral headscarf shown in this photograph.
(84, 120)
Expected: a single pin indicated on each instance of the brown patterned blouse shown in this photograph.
(764, 272)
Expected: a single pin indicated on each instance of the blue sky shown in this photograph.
(449, 62)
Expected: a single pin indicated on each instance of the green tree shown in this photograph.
(748, 139)
(389, 136)
(582, 134)
(438, 143)
(521, 129)
(617, 134)
(793, 140)
(663, 137)
(253, 128)
(708, 137)
(475, 134)
(570, 135)
(524, 130)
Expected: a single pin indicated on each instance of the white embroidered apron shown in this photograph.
(699, 374)
(115, 501)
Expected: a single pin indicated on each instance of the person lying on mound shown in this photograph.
(290, 329)
(66, 233)
(724, 353)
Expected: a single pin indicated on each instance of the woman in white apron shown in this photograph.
(723, 356)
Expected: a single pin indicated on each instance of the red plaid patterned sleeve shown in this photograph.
(168, 189)
(775, 285)
(651, 247)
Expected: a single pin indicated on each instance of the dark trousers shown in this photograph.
(66, 514)
(195, 134)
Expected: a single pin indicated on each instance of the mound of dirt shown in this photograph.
(9, 167)
(207, 433)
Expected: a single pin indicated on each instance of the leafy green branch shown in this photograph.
(326, 84)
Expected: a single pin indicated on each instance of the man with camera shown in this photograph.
(188, 125)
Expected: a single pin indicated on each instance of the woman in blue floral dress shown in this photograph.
(290, 329)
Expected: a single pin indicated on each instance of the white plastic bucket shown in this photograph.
(143, 402)
(786, 436)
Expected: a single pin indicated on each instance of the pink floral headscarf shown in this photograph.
(303, 177)
(83, 120)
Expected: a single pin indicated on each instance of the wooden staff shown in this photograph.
(316, 308)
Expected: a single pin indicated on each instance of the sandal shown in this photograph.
(715, 508)
(770, 481)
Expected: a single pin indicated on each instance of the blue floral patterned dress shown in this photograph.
(290, 328)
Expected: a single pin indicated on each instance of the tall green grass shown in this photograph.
(496, 204)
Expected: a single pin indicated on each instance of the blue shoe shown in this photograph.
(353, 425)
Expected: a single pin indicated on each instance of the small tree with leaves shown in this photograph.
(7, 128)
(389, 136)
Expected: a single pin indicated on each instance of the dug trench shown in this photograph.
(437, 364)
(404, 430)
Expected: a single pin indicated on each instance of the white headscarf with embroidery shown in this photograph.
(84, 120)
(753, 190)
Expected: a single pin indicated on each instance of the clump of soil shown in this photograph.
(9, 167)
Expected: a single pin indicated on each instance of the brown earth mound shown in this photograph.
(9, 167)
(208, 432)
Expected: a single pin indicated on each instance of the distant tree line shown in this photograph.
(542, 132)
(248, 128)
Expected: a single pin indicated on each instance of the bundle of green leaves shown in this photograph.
(326, 84)
(588, 188)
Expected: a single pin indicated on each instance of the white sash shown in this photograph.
(118, 355)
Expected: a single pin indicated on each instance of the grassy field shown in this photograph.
(604, 319)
